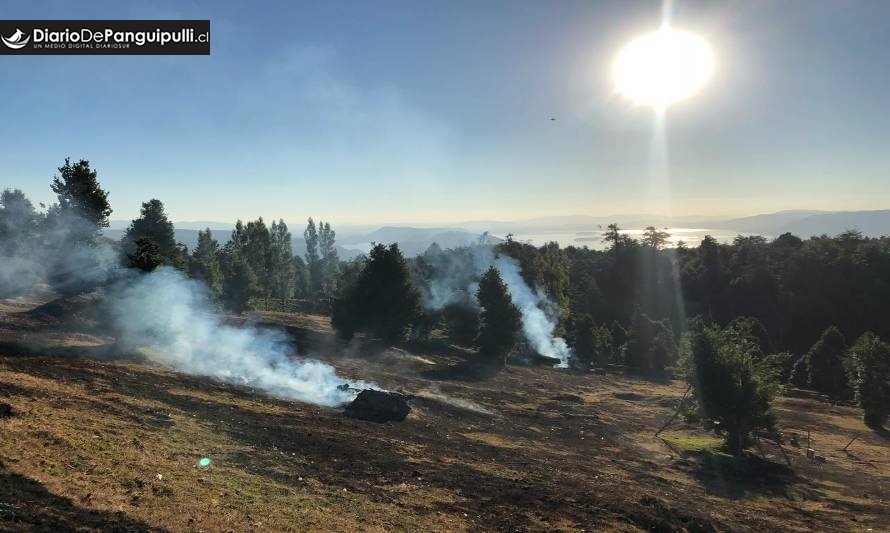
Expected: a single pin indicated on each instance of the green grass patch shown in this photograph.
(695, 443)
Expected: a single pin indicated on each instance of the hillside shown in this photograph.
(106, 443)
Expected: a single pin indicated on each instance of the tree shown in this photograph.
(650, 345)
(146, 255)
(593, 344)
(822, 368)
(615, 239)
(154, 225)
(655, 239)
(256, 249)
(726, 385)
(330, 263)
(21, 266)
(382, 302)
(281, 266)
(313, 260)
(81, 197)
(500, 321)
(869, 375)
(204, 264)
(461, 322)
(239, 285)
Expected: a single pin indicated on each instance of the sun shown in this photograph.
(663, 67)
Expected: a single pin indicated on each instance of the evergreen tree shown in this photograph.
(461, 322)
(154, 225)
(726, 384)
(650, 346)
(239, 285)
(500, 320)
(822, 368)
(313, 260)
(282, 269)
(330, 263)
(593, 344)
(257, 250)
(205, 263)
(81, 197)
(383, 302)
(146, 255)
(869, 374)
(21, 265)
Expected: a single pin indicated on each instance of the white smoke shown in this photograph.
(170, 318)
(537, 326)
(456, 274)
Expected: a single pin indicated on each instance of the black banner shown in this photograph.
(105, 37)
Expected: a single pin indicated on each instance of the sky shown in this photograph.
(440, 111)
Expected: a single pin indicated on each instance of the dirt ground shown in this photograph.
(96, 442)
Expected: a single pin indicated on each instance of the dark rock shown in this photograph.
(6, 410)
(378, 406)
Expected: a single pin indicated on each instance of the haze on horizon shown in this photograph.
(393, 112)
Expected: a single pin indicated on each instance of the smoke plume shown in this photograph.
(455, 278)
(170, 319)
(162, 314)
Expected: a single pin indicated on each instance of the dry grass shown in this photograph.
(98, 445)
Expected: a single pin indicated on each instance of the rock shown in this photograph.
(378, 406)
(6, 410)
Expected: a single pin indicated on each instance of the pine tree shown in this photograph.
(313, 260)
(282, 268)
(239, 285)
(257, 251)
(822, 368)
(205, 264)
(81, 197)
(869, 374)
(153, 224)
(500, 320)
(330, 262)
(382, 302)
(726, 385)
(146, 255)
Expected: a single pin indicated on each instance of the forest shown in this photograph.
(738, 320)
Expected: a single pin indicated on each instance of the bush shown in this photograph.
(728, 385)
(869, 374)
(822, 367)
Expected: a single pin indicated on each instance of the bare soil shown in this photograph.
(95, 442)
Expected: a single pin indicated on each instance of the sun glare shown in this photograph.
(663, 67)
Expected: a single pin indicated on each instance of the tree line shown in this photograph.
(737, 319)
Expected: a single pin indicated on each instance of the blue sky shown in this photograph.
(390, 111)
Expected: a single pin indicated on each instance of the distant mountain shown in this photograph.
(806, 224)
(768, 224)
(870, 223)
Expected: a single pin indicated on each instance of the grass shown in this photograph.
(695, 443)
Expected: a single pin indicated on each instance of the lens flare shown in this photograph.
(663, 67)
